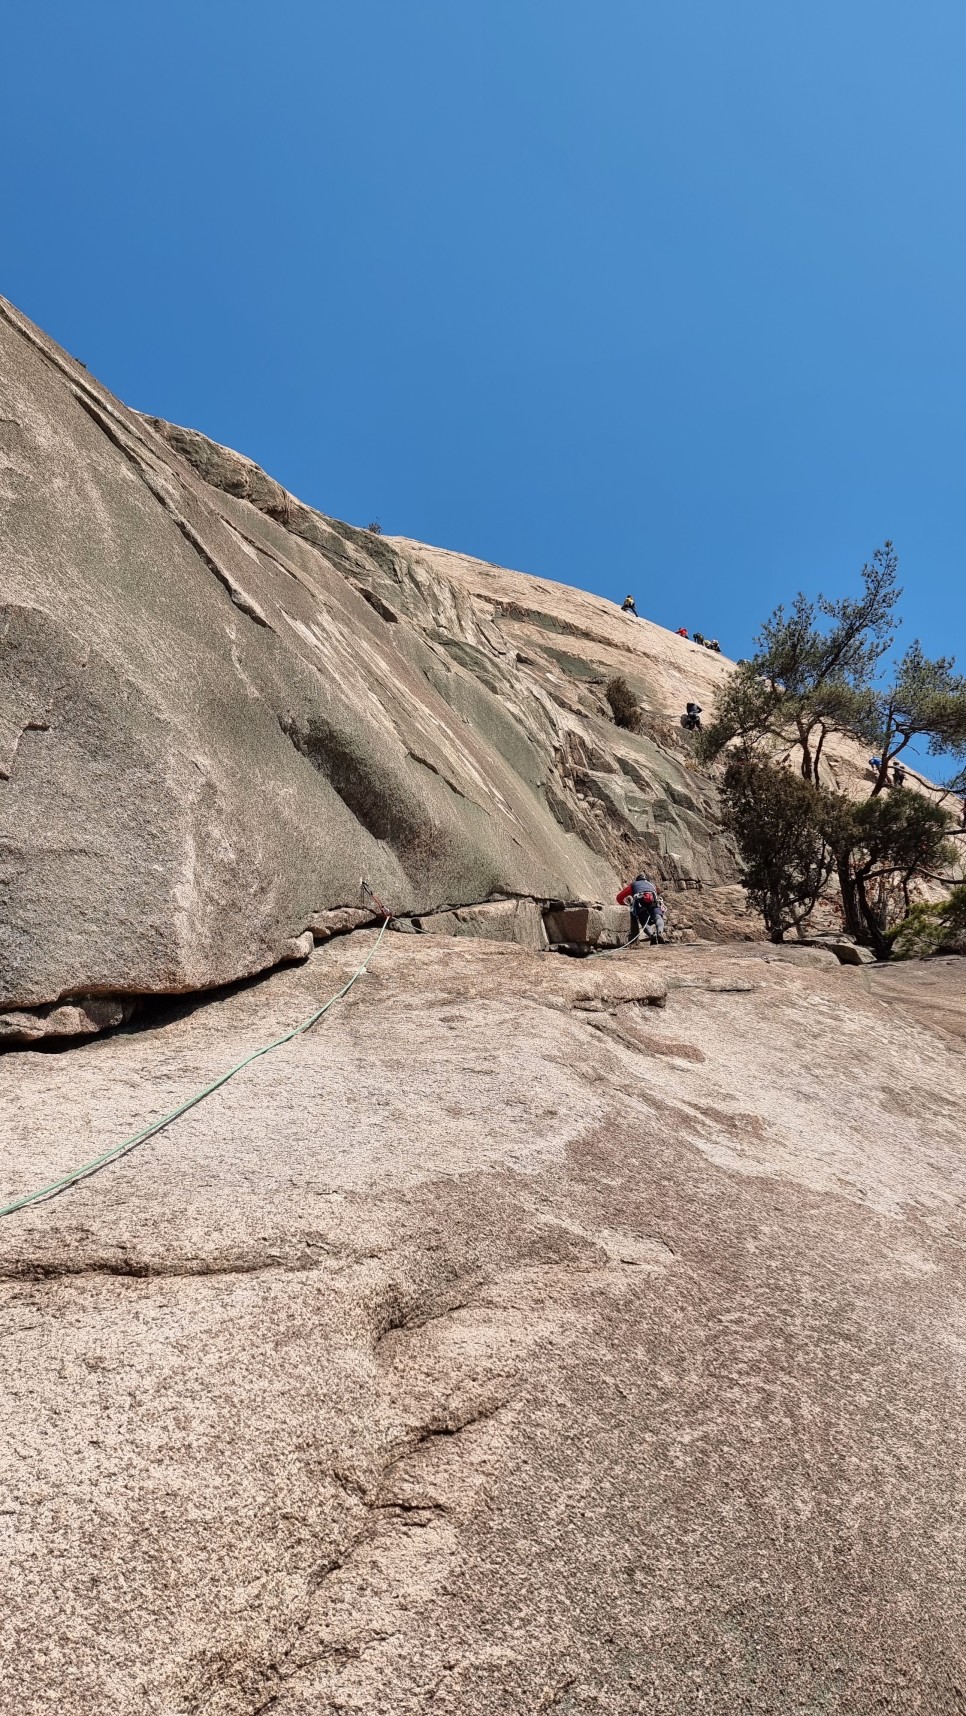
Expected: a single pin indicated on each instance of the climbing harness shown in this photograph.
(156, 1126)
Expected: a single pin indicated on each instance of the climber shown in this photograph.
(692, 718)
(629, 606)
(646, 909)
(698, 638)
(898, 775)
(682, 631)
(713, 644)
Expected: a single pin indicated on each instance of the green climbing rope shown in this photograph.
(119, 1150)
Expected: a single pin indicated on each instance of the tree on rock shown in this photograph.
(813, 670)
(819, 669)
(880, 845)
(924, 700)
(933, 927)
(778, 822)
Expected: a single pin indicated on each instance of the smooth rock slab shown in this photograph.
(487, 1351)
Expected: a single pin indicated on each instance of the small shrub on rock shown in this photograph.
(936, 928)
(375, 528)
(624, 706)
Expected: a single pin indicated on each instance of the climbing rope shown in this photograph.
(618, 949)
(156, 1126)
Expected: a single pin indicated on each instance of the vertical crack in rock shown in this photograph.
(108, 427)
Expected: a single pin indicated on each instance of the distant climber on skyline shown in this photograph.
(629, 606)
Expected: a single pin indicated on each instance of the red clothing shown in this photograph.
(682, 631)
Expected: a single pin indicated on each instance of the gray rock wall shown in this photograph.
(219, 710)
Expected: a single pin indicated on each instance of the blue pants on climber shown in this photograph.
(646, 909)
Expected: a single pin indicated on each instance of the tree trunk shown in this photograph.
(875, 936)
(803, 737)
(818, 752)
(854, 922)
(881, 777)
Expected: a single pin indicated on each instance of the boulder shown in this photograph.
(298, 947)
(586, 926)
(493, 920)
(339, 921)
(849, 953)
(208, 734)
(820, 958)
(78, 1018)
(573, 924)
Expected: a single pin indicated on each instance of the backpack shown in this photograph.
(646, 898)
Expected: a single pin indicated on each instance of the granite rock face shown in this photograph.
(220, 710)
(511, 1343)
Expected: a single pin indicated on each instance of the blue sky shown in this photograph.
(662, 298)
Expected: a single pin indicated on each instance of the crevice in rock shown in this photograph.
(125, 1268)
(381, 1515)
(452, 1422)
(400, 1323)
(239, 597)
(433, 769)
(158, 1008)
(382, 608)
(8, 763)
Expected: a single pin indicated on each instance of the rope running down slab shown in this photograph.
(156, 1126)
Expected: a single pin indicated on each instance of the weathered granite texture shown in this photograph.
(219, 710)
(508, 1344)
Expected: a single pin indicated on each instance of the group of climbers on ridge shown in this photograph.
(629, 606)
(898, 778)
(699, 638)
(691, 719)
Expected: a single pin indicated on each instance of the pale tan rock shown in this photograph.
(298, 946)
(816, 957)
(574, 923)
(339, 921)
(849, 953)
(78, 1018)
(484, 1350)
(518, 921)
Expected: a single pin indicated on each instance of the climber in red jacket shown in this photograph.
(646, 908)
